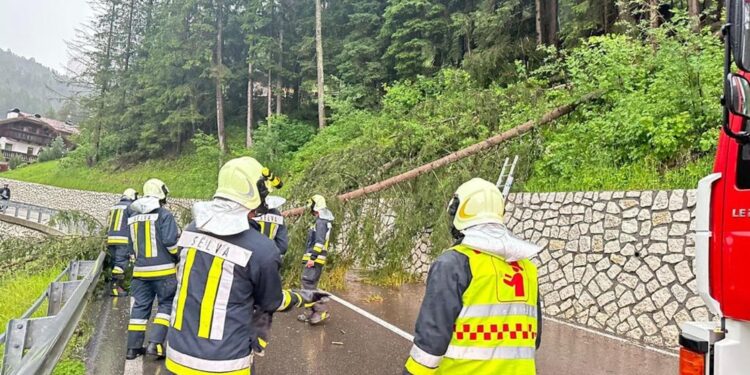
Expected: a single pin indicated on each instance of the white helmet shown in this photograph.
(130, 194)
(155, 188)
(476, 202)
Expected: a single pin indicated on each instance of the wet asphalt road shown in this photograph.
(350, 343)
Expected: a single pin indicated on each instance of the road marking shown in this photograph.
(612, 337)
(374, 318)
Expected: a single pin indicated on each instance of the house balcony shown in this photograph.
(7, 155)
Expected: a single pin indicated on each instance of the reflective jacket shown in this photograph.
(117, 223)
(319, 240)
(153, 235)
(272, 226)
(220, 283)
(480, 315)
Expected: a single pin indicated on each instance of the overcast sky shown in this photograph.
(39, 28)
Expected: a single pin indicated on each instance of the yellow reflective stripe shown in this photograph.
(109, 219)
(135, 239)
(147, 238)
(158, 273)
(320, 261)
(415, 368)
(184, 370)
(161, 321)
(318, 249)
(272, 232)
(306, 257)
(117, 240)
(263, 343)
(118, 220)
(262, 227)
(184, 279)
(117, 270)
(209, 297)
(137, 327)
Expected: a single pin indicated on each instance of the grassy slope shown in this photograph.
(186, 176)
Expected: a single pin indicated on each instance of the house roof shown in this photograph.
(56, 125)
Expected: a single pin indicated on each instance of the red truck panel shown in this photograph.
(730, 227)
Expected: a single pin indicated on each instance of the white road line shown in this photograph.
(374, 318)
(612, 337)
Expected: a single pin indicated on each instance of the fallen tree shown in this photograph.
(460, 154)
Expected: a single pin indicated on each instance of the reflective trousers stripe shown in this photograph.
(117, 270)
(484, 354)
(118, 221)
(184, 281)
(502, 309)
(117, 240)
(154, 271)
(209, 297)
(186, 364)
(134, 237)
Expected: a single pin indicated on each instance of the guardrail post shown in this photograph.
(39, 219)
(15, 340)
(54, 299)
(28, 213)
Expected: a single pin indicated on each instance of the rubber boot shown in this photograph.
(155, 350)
(134, 353)
(318, 317)
(305, 316)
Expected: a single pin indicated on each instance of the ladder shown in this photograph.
(505, 181)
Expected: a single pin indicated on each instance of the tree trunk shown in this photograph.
(694, 11)
(719, 10)
(250, 83)
(97, 136)
(654, 13)
(461, 154)
(552, 24)
(270, 98)
(129, 42)
(539, 26)
(605, 17)
(219, 72)
(319, 54)
(281, 64)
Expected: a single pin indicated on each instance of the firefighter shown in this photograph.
(153, 234)
(272, 222)
(318, 244)
(481, 312)
(118, 244)
(229, 272)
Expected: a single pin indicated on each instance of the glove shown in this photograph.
(258, 346)
(311, 296)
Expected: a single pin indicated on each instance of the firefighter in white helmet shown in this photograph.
(153, 234)
(481, 312)
(118, 243)
(229, 281)
(315, 257)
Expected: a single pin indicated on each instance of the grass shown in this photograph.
(186, 176)
(20, 291)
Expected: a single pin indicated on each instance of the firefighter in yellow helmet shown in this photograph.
(481, 312)
(229, 281)
(316, 254)
(153, 235)
(118, 243)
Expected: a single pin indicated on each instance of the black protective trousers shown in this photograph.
(144, 291)
(310, 279)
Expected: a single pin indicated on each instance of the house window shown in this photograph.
(8, 147)
(30, 151)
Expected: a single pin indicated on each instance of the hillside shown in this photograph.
(29, 85)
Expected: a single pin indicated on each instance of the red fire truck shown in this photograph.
(722, 224)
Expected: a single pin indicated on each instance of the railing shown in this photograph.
(31, 213)
(34, 345)
(25, 157)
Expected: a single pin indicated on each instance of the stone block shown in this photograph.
(627, 299)
(661, 201)
(647, 324)
(661, 218)
(603, 264)
(684, 272)
(678, 229)
(661, 297)
(679, 293)
(603, 281)
(677, 200)
(665, 275)
(630, 226)
(660, 233)
(628, 280)
(647, 198)
(605, 298)
(657, 248)
(682, 216)
(644, 306)
(644, 273)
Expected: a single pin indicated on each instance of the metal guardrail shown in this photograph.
(43, 216)
(34, 345)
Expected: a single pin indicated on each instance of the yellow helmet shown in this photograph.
(476, 202)
(130, 194)
(316, 203)
(243, 181)
(155, 188)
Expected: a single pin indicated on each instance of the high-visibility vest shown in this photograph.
(495, 333)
